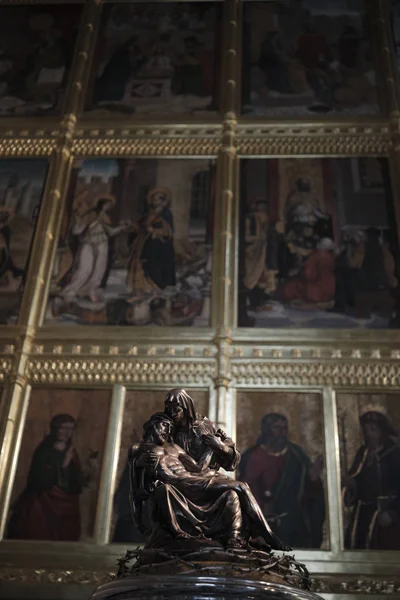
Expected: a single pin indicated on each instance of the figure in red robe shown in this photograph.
(315, 284)
(48, 508)
(312, 47)
(286, 484)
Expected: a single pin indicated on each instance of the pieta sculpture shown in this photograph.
(198, 520)
(175, 471)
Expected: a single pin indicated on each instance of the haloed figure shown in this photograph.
(372, 487)
(48, 508)
(151, 266)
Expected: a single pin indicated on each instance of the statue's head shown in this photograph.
(179, 406)
(159, 427)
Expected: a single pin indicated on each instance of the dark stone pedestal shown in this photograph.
(197, 587)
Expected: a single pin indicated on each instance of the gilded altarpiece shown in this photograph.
(201, 195)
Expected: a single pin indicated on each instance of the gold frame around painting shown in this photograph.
(221, 358)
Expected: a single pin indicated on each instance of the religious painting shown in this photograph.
(369, 426)
(307, 58)
(318, 247)
(156, 58)
(139, 406)
(36, 52)
(59, 466)
(135, 244)
(21, 189)
(283, 462)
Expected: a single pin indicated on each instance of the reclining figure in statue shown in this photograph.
(189, 498)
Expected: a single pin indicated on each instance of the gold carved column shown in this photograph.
(224, 269)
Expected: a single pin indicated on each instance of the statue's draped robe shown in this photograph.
(209, 504)
(188, 507)
(125, 530)
(192, 442)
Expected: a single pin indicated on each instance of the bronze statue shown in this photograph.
(177, 491)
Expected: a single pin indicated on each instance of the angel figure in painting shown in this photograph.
(179, 482)
(92, 233)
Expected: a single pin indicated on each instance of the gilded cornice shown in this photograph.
(144, 140)
(127, 370)
(299, 138)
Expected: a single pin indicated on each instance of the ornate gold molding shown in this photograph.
(33, 144)
(171, 140)
(337, 373)
(110, 138)
(126, 371)
(299, 138)
(100, 343)
(356, 585)
(368, 586)
(338, 352)
(54, 576)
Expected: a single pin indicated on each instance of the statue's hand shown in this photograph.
(221, 434)
(214, 442)
(147, 460)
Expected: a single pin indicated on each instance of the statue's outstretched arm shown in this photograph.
(232, 455)
(196, 467)
(164, 473)
(228, 456)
